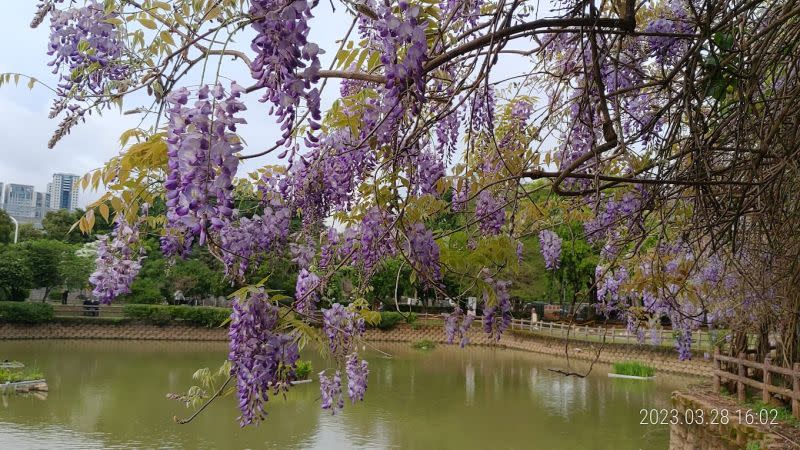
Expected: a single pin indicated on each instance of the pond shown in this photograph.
(111, 394)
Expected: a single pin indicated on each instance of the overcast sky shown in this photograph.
(25, 127)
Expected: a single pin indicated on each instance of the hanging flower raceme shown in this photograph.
(327, 251)
(263, 359)
(286, 64)
(427, 171)
(375, 239)
(330, 389)
(305, 292)
(481, 110)
(423, 252)
(457, 324)
(490, 213)
(248, 240)
(357, 372)
(201, 149)
(664, 45)
(342, 327)
(87, 49)
(404, 52)
(496, 317)
(118, 261)
(550, 245)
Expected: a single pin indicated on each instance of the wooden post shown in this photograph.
(765, 397)
(716, 368)
(796, 390)
(613, 332)
(740, 389)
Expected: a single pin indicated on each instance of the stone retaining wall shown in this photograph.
(663, 360)
(731, 435)
(111, 330)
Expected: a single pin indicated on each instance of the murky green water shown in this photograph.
(111, 394)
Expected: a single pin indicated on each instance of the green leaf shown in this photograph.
(148, 23)
(724, 40)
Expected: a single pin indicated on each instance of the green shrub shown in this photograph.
(201, 315)
(144, 291)
(389, 319)
(303, 369)
(136, 312)
(162, 314)
(55, 294)
(634, 368)
(16, 375)
(22, 312)
(411, 318)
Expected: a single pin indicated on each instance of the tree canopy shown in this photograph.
(659, 135)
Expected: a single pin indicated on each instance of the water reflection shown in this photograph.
(112, 394)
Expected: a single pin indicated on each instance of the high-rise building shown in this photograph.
(63, 192)
(42, 204)
(2, 195)
(19, 200)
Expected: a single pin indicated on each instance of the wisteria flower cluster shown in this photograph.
(330, 389)
(263, 359)
(201, 149)
(497, 316)
(357, 372)
(118, 261)
(550, 245)
(404, 74)
(305, 293)
(342, 327)
(286, 64)
(490, 213)
(88, 45)
(458, 324)
(423, 252)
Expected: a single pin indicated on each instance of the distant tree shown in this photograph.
(57, 225)
(577, 267)
(15, 275)
(6, 228)
(74, 270)
(44, 258)
(191, 276)
(385, 279)
(27, 232)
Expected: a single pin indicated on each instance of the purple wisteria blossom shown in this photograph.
(497, 316)
(490, 213)
(286, 63)
(118, 261)
(306, 291)
(357, 372)
(263, 360)
(423, 252)
(458, 324)
(330, 389)
(342, 327)
(202, 162)
(550, 246)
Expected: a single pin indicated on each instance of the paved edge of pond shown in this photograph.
(24, 386)
(664, 360)
(732, 435)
